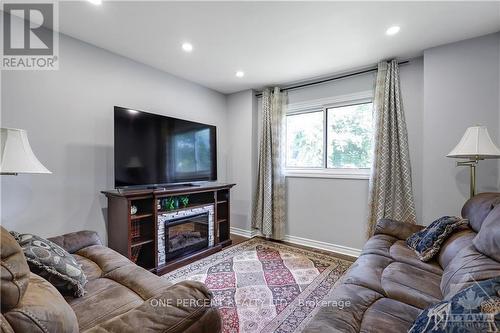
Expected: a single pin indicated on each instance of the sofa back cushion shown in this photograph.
(458, 240)
(477, 208)
(487, 240)
(14, 271)
(473, 255)
(468, 266)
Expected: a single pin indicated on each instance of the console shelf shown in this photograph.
(136, 236)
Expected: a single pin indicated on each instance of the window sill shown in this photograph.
(322, 173)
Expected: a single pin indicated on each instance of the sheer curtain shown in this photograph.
(390, 194)
(269, 203)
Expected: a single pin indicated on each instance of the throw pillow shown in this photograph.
(427, 241)
(53, 263)
(474, 309)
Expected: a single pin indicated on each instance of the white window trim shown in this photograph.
(322, 104)
(328, 173)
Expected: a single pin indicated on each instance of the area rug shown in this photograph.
(265, 286)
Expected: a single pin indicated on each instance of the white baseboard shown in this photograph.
(350, 251)
(244, 232)
(304, 242)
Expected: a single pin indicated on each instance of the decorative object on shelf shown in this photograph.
(158, 204)
(135, 253)
(16, 154)
(169, 203)
(135, 230)
(176, 202)
(475, 145)
(133, 209)
(185, 201)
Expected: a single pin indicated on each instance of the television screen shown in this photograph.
(151, 149)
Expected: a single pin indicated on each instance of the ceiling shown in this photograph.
(273, 42)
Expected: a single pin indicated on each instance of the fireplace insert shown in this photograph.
(185, 235)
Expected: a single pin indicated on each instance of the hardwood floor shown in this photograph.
(240, 239)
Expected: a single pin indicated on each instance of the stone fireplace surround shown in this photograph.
(179, 214)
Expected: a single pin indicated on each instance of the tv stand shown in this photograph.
(136, 235)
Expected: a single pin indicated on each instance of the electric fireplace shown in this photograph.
(185, 235)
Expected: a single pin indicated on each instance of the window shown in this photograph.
(335, 138)
(305, 140)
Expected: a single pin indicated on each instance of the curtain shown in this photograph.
(269, 201)
(390, 194)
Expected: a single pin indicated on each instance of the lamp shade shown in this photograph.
(477, 144)
(16, 154)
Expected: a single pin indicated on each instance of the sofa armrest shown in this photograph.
(396, 229)
(42, 309)
(182, 308)
(75, 241)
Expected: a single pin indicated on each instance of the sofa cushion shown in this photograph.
(427, 242)
(397, 250)
(487, 240)
(477, 208)
(479, 305)
(388, 315)
(14, 271)
(456, 242)
(400, 252)
(75, 241)
(104, 300)
(186, 308)
(398, 229)
(411, 285)
(42, 309)
(330, 318)
(382, 294)
(52, 262)
(115, 286)
(465, 268)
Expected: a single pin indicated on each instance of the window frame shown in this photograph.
(322, 105)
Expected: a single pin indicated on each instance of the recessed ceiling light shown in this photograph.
(392, 30)
(187, 47)
(95, 2)
(240, 74)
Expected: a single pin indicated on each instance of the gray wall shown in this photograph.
(461, 89)
(242, 155)
(69, 118)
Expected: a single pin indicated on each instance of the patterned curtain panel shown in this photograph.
(269, 203)
(391, 194)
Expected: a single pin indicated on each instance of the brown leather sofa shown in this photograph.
(121, 296)
(388, 286)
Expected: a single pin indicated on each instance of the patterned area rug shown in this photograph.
(264, 286)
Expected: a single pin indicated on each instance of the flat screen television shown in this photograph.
(155, 150)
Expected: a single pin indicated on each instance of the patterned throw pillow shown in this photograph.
(474, 309)
(427, 242)
(53, 263)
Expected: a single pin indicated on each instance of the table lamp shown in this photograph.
(16, 154)
(475, 145)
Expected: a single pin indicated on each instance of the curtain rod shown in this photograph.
(343, 76)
